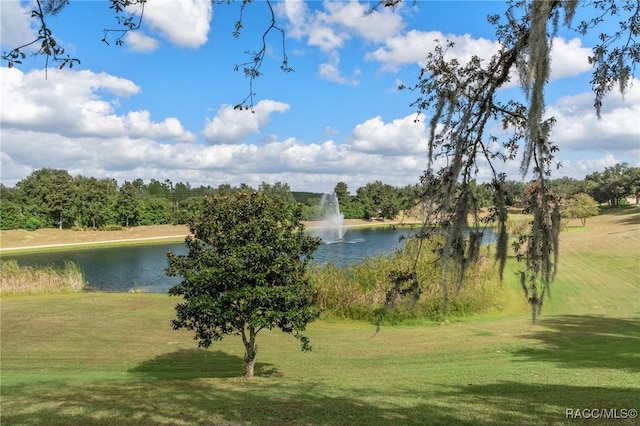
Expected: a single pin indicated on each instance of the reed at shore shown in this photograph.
(29, 280)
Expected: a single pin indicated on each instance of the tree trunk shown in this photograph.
(249, 367)
(250, 351)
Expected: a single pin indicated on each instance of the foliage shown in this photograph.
(580, 206)
(48, 194)
(245, 271)
(463, 102)
(361, 291)
(89, 202)
(379, 200)
(614, 184)
(538, 248)
(128, 203)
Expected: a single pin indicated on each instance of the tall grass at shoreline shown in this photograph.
(358, 291)
(29, 280)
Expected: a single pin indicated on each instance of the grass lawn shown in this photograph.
(114, 359)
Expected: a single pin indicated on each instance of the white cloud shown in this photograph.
(232, 126)
(314, 167)
(15, 24)
(413, 46)
(579, 129)
(400, 137)
(332, 27)
(569, 58)
(67, 103)
(140, 42)
(185, 23)
(354, 17)
(330, 71)
(296, 12)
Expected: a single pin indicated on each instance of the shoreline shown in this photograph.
(50, 239)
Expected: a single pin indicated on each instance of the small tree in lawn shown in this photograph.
(245, 271)
(581, 206)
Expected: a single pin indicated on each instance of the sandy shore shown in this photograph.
(42, 239)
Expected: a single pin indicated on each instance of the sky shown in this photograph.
(161, 106)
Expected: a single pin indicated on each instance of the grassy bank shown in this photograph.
(113, 359)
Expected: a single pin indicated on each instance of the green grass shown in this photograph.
(109, 359)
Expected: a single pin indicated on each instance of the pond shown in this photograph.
(120, 269)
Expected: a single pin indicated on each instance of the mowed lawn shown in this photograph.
(107, 359)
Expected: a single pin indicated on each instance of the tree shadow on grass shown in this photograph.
(294, 402)
(587, 341)
(628, 215)
(187, 364)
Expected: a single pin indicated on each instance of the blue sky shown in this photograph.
(161, 106)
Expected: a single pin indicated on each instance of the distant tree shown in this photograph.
(612, 185)
(566, 187)
(245, 272)
(155, 211)
(11, 216)
(379, 200)
(342, 193)
(482, 193)
(278, 190)
(95, 201)
(513, 192)
(128, 203)
(634, 177)
(155, 188)
(580, 206)
(48, 195)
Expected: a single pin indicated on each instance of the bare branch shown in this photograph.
(47, 44)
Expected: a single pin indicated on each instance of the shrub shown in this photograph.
(359, 290)
(32, 223)
(111, 227)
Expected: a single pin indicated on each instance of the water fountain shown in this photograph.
(332, 218)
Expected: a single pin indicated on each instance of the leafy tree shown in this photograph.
(566, 187)
(278, 190)
(379, 200)
(634, 177)
(95, 201)
(513, 192)
(155, 211)
(342, 193)
(11, 216)
(245, 271)
(613, 184)
(581, 206)
(48, 196)
(128, 203)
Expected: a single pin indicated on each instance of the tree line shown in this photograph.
(50, 198)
